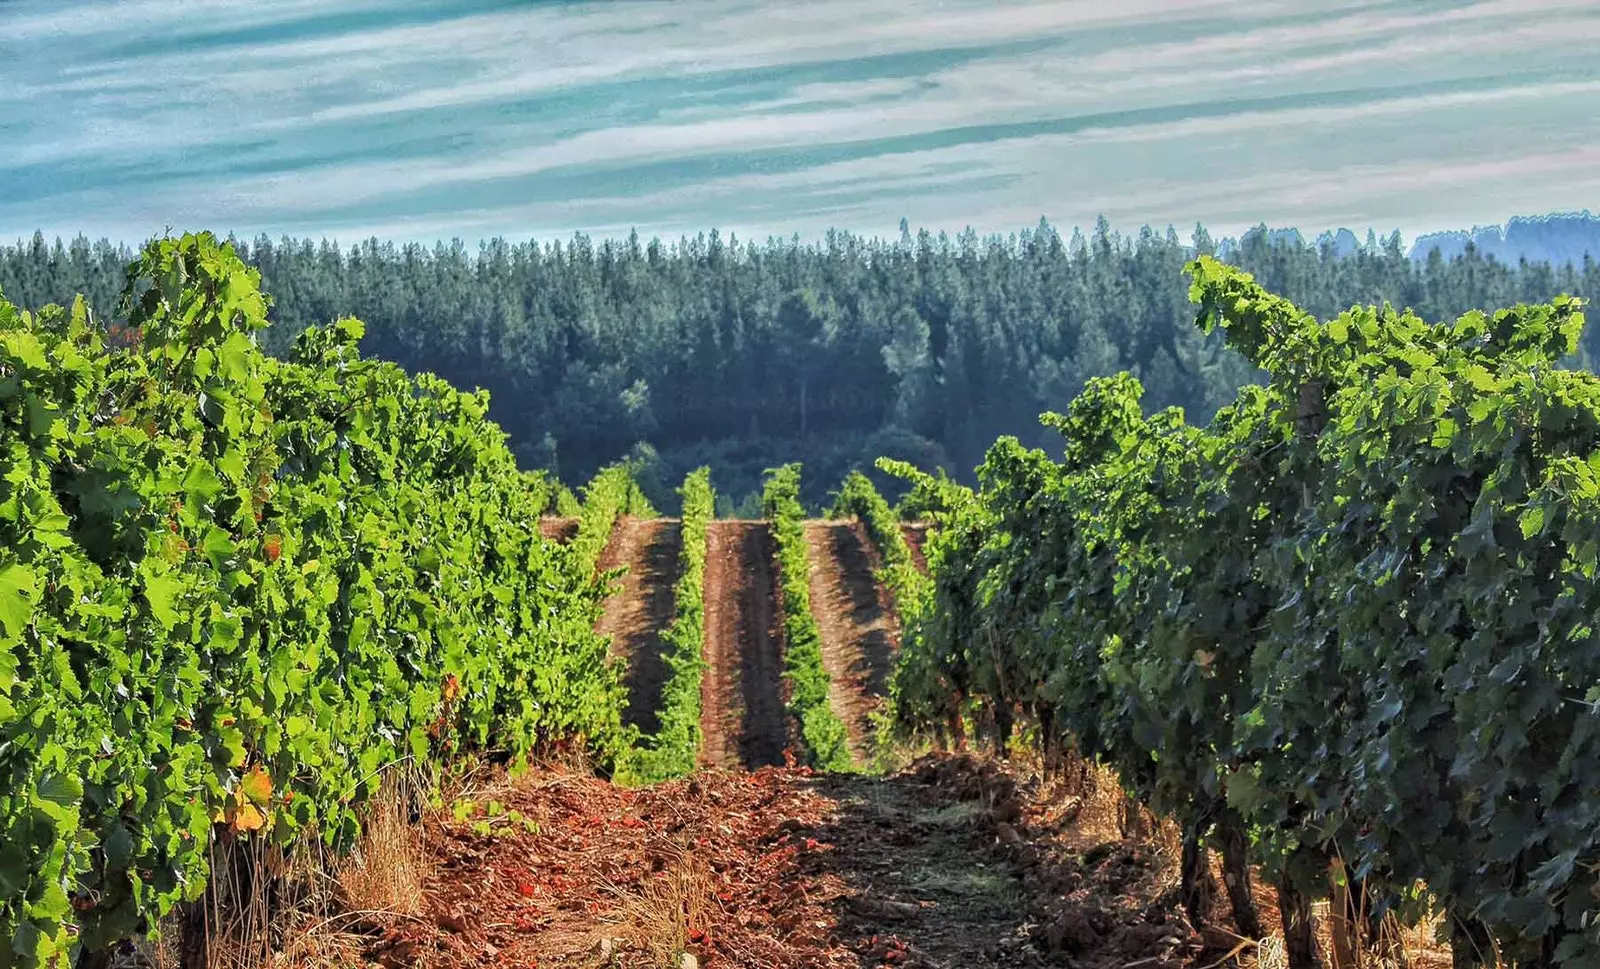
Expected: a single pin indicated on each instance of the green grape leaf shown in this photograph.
(18, 592)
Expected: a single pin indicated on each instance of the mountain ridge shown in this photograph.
(1558, 238)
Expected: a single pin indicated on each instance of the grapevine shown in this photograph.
(233, 589)
(1347, 625)
(673, 750)
(821, 730)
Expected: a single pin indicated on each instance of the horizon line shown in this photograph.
(749, 237)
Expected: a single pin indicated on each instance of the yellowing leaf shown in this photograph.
(257, 786)
(247, 817)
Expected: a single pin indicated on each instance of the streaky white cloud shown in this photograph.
(734, 112)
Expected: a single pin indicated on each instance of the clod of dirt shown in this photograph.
(1072, 932)
(882, 908)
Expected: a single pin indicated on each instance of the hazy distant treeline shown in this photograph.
(749, 355)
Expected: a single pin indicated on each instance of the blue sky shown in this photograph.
(422, 119)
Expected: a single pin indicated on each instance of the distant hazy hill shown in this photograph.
(1556, 239)
(1344, 241)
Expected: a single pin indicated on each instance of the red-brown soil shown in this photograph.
(916, 535)
(561, 530)
(956, 863)
(859, 633)
(743, 718)
(641, 609)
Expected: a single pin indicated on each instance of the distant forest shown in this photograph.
(750, 355)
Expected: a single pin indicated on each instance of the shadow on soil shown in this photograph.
(952, 864)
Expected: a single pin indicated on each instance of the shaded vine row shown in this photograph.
(1343, 633)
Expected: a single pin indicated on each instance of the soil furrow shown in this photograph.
(743, 716)
(561, 530)
(642, 609)
(916, 534)
(858, 628)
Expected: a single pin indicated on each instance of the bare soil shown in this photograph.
(859, 632)
(916, 534)
(642, 609)
(561, 530)
(743, 718)
(956, 863)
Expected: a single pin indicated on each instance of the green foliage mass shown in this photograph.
(1352, 617)
(610, 495)
(234, 588)
(672, 751)
(743, 355)
(826, 743)
(547, 494)
(859, 499)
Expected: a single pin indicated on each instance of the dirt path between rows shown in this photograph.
(642, 609)
(858, 627)
(954, 864)
(561, 530)
(743, 717)
(916, 535)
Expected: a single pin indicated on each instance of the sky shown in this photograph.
(425, 119)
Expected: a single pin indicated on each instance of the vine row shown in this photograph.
(233, 589)
(674, 749)
(822, 732)
(1345, 633)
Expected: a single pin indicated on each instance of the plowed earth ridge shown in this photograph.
(743, 719)
(642, 608)
(859, 633)
(562, 530)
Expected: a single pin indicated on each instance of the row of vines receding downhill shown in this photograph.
(612, 493)
(1348, 627)
(821, 731)
(673, 750)
(233, 589)
(858, 499)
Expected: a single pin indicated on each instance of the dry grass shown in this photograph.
(307, 909)
(385, 871)
(657, 924)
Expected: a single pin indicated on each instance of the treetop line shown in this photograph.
(746, 357)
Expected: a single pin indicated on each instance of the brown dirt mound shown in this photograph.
(743, 717)
(957, 862)
(642, 609)
(916, 534)
(561, 530)
(856, 621)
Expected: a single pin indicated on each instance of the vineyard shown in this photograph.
(1339, 640)
(1344, 633)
